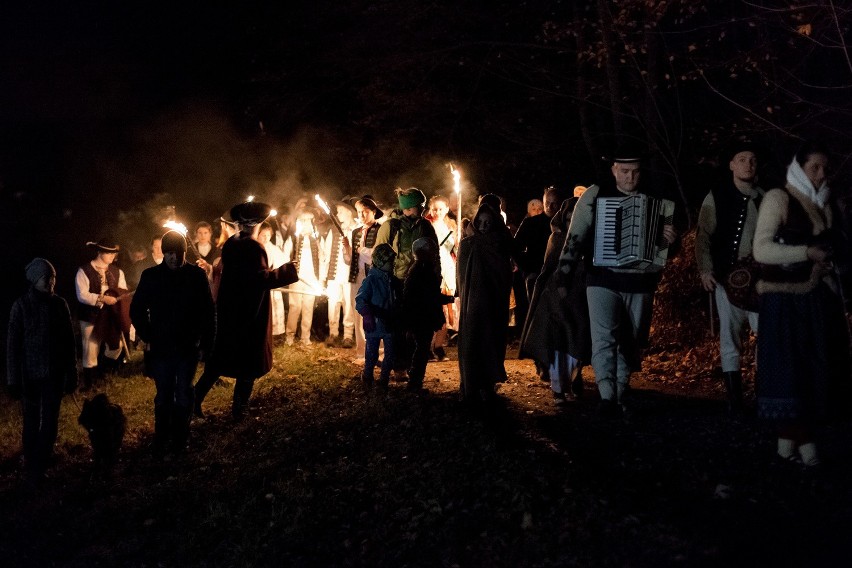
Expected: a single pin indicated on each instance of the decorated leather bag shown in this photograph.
(741, 284)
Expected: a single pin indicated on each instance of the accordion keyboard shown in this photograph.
(628, 232)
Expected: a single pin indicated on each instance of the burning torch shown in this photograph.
(457, 188)
(324, 206)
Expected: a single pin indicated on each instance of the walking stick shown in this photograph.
(712, 326)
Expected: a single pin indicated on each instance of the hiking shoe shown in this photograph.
(559, 399)
(441, 354)
(348, 343)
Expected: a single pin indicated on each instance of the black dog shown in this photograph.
(105, 423)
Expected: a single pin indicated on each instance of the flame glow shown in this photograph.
(175, 226)
(273, 212)
(323, 205)
(456, 179)
(250, 199)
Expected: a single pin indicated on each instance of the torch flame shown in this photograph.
(250, 199)
(322, 204)
(175, 226)
(456, 179)
(273, 212)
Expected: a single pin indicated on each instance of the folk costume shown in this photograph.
(335, 272)
(244, 330)
(101, 323)
(304, 252)
(803, 345)
(620, 299)
(726, 225)
(484, 284)
(363, 241)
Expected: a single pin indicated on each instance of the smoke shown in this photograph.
(193, 165)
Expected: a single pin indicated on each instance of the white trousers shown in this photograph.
(732, 320)
(340, 297)
(92, 345)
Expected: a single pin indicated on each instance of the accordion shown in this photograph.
(629, 232)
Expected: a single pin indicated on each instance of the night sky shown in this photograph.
(111, 110)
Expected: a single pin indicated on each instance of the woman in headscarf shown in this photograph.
(484, 283)
(803, 345)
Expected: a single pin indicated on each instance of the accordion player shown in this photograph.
(629, 232)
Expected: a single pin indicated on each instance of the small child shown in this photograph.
(423, 305)
(42, 364)
(376, 301)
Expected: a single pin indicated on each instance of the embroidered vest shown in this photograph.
(297, 246)
(89, 313)
(797, 230)
(369, 242)
(731, 214)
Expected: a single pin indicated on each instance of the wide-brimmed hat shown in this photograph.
(104, 245)
(628, 152)
(250, 213)
(371, 204)
(347, 206)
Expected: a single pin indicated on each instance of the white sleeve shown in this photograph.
(82, 284)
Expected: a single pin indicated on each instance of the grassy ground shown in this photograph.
(326, 474)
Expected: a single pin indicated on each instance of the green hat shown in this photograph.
(411, 197)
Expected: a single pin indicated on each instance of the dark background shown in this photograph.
(111, 111)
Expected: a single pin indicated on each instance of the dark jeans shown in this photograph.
(371, 356)
(173, 375)
(422, 349)
(40, 403)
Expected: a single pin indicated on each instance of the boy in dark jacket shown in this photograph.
(41, 363)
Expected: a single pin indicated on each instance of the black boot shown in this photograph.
(180, 428)
(734, 388)
(202, 387)
(242, 394)
(162, 430)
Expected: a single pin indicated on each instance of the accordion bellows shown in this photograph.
(629, 232)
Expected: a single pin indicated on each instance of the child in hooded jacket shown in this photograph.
(376, 301)
(423, 305)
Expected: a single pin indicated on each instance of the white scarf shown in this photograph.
(798, 179)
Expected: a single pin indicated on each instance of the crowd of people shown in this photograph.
(394, 285)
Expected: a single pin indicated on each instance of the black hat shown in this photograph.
(627, 153)
(104, 245)
(736, 147)
(370, 203)
(174, 242)
(250, 213)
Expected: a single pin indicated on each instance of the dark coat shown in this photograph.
(422, 300)
(555, 323)
(244, 327)
(484, 283)
(41, 346)
(172, 310)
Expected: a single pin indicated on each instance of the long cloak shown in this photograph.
(243, 315)
(484, 283)
(555, 323)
